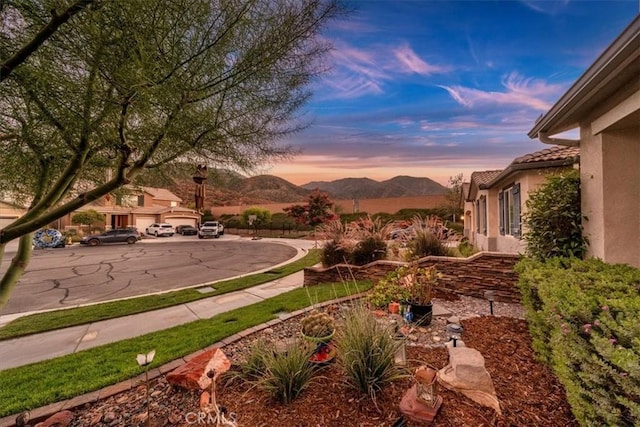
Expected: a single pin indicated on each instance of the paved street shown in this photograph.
(67, 277)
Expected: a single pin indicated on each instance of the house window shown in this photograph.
(509, 200)
(174, 204)
(141, 200)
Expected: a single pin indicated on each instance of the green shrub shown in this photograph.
(366, 352)
(369, 249)
(389, 289)
(553, 221)
(334, 253)
(584, 318)
(287, 373)
(466, 249)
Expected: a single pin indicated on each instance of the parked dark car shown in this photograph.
(120, 235)
(186, 230)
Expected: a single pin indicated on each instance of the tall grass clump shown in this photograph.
(287, 373)
(254, 366)
(428, 235)
(366, 352)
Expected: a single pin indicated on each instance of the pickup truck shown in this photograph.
(209, 229)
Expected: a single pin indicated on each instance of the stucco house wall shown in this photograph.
(604, 104)
(526, 173)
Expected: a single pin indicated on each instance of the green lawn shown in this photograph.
(31, 386)
(58, 319)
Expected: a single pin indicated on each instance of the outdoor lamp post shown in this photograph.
(454, 331)
(490, 296)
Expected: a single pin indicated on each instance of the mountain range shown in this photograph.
(227, 188)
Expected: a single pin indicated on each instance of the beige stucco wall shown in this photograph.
(610, 178)
(389, 205)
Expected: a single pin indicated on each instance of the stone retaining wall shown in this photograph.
(464, 276)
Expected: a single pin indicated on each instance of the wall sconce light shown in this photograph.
(454, 332)
(490, 296)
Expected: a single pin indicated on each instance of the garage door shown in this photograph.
(176, 221)
(142, 222)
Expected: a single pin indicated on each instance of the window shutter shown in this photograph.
(517, 231)
(483, 213)
(501, 211)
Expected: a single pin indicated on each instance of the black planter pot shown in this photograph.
(422, 314)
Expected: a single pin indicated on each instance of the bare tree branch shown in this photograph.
(57, 19)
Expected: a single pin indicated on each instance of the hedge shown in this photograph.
(584, 318)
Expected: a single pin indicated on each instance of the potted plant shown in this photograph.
(419, 283)
(318, 327)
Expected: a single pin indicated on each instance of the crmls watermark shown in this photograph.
(207, 418)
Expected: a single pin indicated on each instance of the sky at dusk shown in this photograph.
(436, 88)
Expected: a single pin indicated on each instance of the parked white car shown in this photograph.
(210, 229)
(160, 229)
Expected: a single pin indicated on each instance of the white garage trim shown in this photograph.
(143, 221)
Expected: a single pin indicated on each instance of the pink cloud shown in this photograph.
(521, 91)
(412, 63)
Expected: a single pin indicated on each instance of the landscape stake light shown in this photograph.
(454, 331)
(490, 296)
(400, 356)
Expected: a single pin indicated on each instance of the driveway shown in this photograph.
(67, 277)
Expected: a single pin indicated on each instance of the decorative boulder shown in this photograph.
(59, 419)
(193, 374)
(466, 374)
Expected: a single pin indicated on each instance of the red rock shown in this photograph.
(60, 419)
(205, 400)
(193, 374)
(417, 411)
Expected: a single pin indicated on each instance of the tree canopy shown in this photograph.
(131, 86)
(318, 210)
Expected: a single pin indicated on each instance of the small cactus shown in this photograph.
(318, 324)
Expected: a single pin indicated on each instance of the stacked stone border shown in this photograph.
(44, 412)
(463, 276)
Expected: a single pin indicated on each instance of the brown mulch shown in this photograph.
(529, 394)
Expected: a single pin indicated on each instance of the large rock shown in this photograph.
(193, 374)
(59, 419)
(466, 374)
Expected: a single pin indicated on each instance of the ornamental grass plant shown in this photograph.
(287, 373)
(366, 352)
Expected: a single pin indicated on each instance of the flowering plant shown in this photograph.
(419, 283)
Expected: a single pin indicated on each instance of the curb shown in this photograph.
(44, 412)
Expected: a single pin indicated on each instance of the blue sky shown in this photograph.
(435, 88)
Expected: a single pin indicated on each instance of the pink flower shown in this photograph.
(596, 323)
(565, 328)
(586, 327)
(613, 341)
(605, 308)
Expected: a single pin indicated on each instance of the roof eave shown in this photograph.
(624, 47)
(529, 166)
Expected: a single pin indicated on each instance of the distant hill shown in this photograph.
(365, 188)
(229, 188)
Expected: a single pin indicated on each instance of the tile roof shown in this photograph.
(557, 152)
(162, 194)
(483, 177)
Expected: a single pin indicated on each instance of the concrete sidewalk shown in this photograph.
(47, 345)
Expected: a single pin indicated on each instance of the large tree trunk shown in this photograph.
(16, 268)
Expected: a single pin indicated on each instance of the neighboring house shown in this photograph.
(140, 208)
(604, 104)
(9, 212)
(495, 200)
